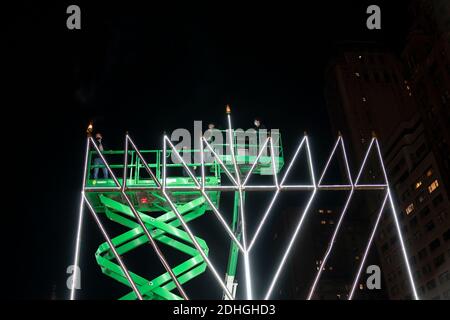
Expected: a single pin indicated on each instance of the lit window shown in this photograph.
(357, 74)
(329, 211)
(320, 210)
(418, 184)
(364, 99)
(429, 172)
(410, 208)
(361, 286)
(323, 222)
(433, 186)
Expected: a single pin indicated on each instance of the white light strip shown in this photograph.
(261, 223)
(153, 243)
(248, 279)
(330, 247)
(347, 167)
(183, 163)
(364, 161)
(299, 225)
(113, 249)
(341, 218)
(334, 186)
(311, 169)
(366, 252)
(189, 232)
(146, 166)
(275, 196)
(197, 245)
(328, 161)
(292, 161)
(397, 225)
(222, 221)
(255, 162)
(297, 187)
(207, 198)
(217, 157)
(80, 225)
(274, 167)
(371, 186)
(202, 162)
(287, 251)
(77, 248)
(164, 163)
(238, 178)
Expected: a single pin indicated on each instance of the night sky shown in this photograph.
(146, 70)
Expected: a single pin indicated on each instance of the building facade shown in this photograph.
(406, 102)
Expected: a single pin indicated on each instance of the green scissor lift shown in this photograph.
(161, 221)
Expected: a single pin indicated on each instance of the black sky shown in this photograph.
(149, 69)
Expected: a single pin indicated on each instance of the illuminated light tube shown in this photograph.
(230, 134)
(397, 225)
(145, 163)
(248, 281)
(221, 162)
(202, 163)
(205, 195)
(255, 162)
(297, 187)
(371, 187)
(194, 178)
(77, 248)
(185, 226)
(288, 249)
(328, 161)
(274, 167)
(299, 225)
(260, 225)
(366, 252)
(364, 161)
(292, 161)
(330, 247)
(197, 245)
(222, 221)
(80, 225)
(341, 218)
(275, 196)
(243, 224)
(153, 243)
(260, 188)
(113, 249)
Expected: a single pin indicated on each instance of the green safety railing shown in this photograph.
(165, 227)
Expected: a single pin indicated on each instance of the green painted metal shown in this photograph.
(158, 217)
(234, 249)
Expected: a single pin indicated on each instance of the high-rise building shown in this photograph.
(424, 211)
(407, 105)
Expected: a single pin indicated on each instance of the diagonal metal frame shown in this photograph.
(120, 188)
(339, 142)
(241, 187)
(388, 196)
